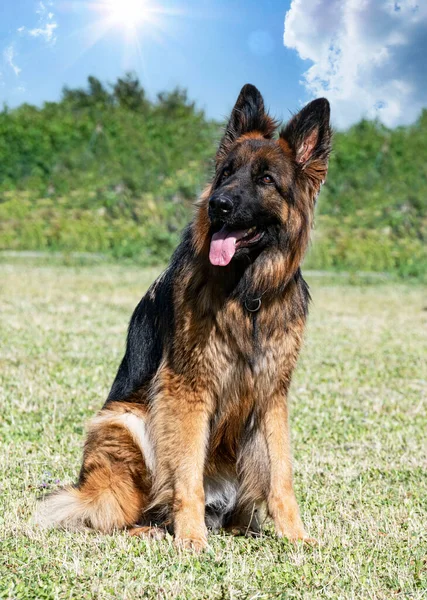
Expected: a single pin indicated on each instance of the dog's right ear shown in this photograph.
(247, 116)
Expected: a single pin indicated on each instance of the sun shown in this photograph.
(136, 22)
(129, 14)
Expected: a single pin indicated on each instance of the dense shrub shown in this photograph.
(107, 170)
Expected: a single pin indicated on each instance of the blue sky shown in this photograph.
(366, 57)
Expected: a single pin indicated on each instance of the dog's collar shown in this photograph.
(253, 304)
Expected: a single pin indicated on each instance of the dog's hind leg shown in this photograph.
(253, 470)
(115, 478)
(247, 520)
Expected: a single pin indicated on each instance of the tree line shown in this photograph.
(107, 169)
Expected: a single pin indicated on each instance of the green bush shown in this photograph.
(106, 170)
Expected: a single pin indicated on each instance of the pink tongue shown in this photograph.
(223, 246)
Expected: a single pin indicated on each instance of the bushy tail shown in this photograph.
(105, 508)
(64, 508)
(114, 484)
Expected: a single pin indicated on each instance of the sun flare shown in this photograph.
(128, 13)
(136, 22)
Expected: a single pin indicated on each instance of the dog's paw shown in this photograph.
(295, 535)
(148, 532)
(241, 530)
(195, 543)
(304, 539)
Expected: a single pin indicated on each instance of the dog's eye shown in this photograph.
(225, 174)
(267, 179)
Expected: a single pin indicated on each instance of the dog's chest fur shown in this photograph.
(250, 348)
(237, 354)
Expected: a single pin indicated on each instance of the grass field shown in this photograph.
(359, 436)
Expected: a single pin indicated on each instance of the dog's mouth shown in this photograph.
(225, 243)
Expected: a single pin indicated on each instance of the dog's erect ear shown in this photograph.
(308, 137)
(248, 115)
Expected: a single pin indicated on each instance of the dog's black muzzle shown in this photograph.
(220, 207)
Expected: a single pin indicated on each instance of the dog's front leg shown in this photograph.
(182, 423)
(281, 501)
(189, 497)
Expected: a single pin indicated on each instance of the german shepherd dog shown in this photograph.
(194, 433)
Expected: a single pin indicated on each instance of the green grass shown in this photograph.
(358, 426)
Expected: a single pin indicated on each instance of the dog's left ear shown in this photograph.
(308, 138)
(247, 116)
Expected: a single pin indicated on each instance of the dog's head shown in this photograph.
(264, 189)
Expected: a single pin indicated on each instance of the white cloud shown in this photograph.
(46, 24)
(47, 32)
(368, 56)
(9, 57)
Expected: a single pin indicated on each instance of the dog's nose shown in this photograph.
(220, 206)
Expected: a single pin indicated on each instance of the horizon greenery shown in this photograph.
(107, 170)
